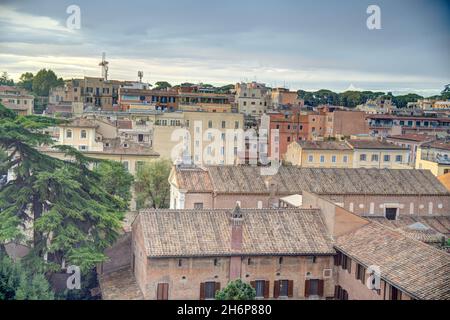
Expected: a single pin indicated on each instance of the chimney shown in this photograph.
(236, 221)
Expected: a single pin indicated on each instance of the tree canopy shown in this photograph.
(162, 85)
(20, 283)
(44, 80)
(26, 81)
(5, 80)
(236, 290)
(73, 218)
(152, 185)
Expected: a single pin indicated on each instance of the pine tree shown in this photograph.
(73, 218)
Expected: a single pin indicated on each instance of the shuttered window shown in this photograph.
(261, 288)
(314, 287)
(208, 289)
(283, 288)
(360, 273)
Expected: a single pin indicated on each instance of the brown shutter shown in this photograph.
(202, 291)
(266, 289)
(349, 265)
(306, 288)
(357, 271)
(290, 288)
(321, 284)
(276, 289)
(159, 292)
(336, 292)
(253, 284)
(217, 286)
(166, 291)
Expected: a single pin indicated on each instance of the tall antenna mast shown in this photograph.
(104, 65)
(140, 76)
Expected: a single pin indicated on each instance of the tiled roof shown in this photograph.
(294, 180)
(324, 145)
(441, 224)
(80, 123)
(177, 233)
(374, 144)
(414, 267)
(193, 179)
(413, 137)
(120, 285)
(443, 145)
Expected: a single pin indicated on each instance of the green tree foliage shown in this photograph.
(5, 80)
(115, 179)
(3, 157)
(73, 217)
(152, 185)
(44, 80)
(236, 290)
(160, 85)
(20, 283)
(26, 81)
(225, 89)
(402, 101)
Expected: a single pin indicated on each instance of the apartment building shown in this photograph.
(252, 99)
(164, 100)
(282, 97)
(99, 140)
(412, 142)
(291, 126)
(320, 154)
(208, 102)
(378, 154)
(342, 123)
(434, 156)
(388, 125)
(366, 192)
(17, 99)
(91, 91)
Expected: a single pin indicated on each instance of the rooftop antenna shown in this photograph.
(140, 75)
(104, 65)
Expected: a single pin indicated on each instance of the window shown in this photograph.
(288, 139)
(208, 289)
(210, 124)
(362, 157)
(162, 292)
(345, 159)
(224, 124)
(360, 273)
(140, 137)
(236, 124)
(394, 293)
(83, 134)
(322, 159)
(313, 287)
(387, 158)
(310, 158)
(374, 158)
(125, 165)
(340, 294)
(391, 213)
(284, 288)
(398, 158)
(198, 205)
(260, 287)
(69, 134)
(333, 159)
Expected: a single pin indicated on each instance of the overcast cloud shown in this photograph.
(300, 44)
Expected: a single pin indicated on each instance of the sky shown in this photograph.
(306, 45)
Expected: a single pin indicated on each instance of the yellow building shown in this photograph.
(378, 154)
(434, 156)
(85, 135)
(320, 154)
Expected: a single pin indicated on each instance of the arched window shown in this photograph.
(83, 134)
(69, 134)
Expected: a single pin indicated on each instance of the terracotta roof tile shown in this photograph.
(174, 233)
(414, 267)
